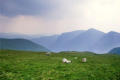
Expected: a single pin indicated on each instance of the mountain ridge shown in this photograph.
(115, 50)
(80, 40)
(20, 44)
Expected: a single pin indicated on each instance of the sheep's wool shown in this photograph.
(66, 61)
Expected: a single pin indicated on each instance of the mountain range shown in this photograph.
(81, 40)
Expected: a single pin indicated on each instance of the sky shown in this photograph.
(58, 16)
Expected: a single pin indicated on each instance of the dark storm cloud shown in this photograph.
(57, 16)
(26, 7)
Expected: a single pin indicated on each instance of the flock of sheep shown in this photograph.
(64, 60)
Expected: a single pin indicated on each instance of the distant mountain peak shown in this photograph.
(112, 32)
(76, 31)
(92, 30)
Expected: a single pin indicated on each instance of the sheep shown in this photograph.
(84, 59)
(66, 61)
(48, 53)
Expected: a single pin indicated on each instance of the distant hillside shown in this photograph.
(17, 35)
(20, 44)
(115, 50)
(107, 42)
(85, 40)
(61, 44)
(46, 41)
(57, 41)
(91, 40)
(81, 40)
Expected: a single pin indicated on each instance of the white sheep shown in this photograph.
(48, 53)
(66, 61)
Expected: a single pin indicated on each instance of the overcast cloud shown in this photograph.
(57, 16)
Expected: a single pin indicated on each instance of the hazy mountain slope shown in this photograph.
(107, 42)
(13, 35)
(82, 42)
(63, 39)
(88, 40)
(115, 50)
(52, 42)
(20, 44)
(46, 41)
(17, 35)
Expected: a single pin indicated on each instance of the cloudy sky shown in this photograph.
(57, 16)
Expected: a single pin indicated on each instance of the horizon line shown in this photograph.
(47, 34)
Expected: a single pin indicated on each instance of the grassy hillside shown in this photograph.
(20, 44)
(19, 65)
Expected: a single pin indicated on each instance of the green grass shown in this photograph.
(21, 65)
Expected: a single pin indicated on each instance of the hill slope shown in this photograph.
(46, 41)
(84, 41)
(20, 44)
(107, 42)
(115, 50)
(27, 65)
(61, 44)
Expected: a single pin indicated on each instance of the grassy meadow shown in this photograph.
(22, 65)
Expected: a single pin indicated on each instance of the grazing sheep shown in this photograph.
(66, 61)
(48, 53)
(84, 59)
